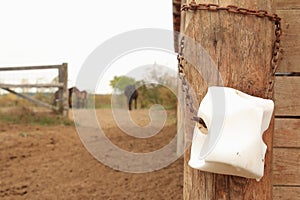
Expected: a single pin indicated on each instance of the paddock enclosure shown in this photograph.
(284, 162)
(21, 81)
(50, 162)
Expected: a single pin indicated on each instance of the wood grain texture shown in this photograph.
(287, 4)
(287, 95)
(31, 99)
(240, 48)
(64, 93)
(287, 133)
(290, 41)
(286, 166)
(176, 21)
(286, 193)
(30, 67)
(45, 85)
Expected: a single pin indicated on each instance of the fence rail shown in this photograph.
(62, 86)
(46, 85)
(30, 67)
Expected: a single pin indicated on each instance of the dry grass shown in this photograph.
(32, 115)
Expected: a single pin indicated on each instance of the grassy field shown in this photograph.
(147, 97)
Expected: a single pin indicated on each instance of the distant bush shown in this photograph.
(148, 96)
(157, 94)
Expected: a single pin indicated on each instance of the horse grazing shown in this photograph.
(131, 93)
(80, 98)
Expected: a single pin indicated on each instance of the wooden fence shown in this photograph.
(285, 161)
(62, 85)
(286, 140)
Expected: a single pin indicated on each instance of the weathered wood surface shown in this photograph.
(287, 95)
(241, 48)
(45, 85)
(176, 21)
(286, 162)
(287, 133)
(290, 45)
(62, 85)
(287, 4)
(35, 101)
(63, 91)
(290, 40)
(286, 152)
(286, 166)
(176, 15)
(29, 67)
(286, 193)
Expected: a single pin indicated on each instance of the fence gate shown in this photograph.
(62, 86)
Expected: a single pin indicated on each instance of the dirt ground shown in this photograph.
(50, 162)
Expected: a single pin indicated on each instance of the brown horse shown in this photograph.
(79, 97)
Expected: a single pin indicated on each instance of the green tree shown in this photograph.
(118, 83)
(158, 87)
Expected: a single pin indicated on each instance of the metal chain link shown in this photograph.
(275, 58)
(237, 10)
(185, 85)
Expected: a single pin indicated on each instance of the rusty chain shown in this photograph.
(185, 86)
(193, 6)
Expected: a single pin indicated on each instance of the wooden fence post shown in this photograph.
(62, 85)
(241, 47)
(63, 92)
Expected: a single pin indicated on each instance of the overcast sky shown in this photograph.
(37, 32)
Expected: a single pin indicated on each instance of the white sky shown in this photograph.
(37, 32)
